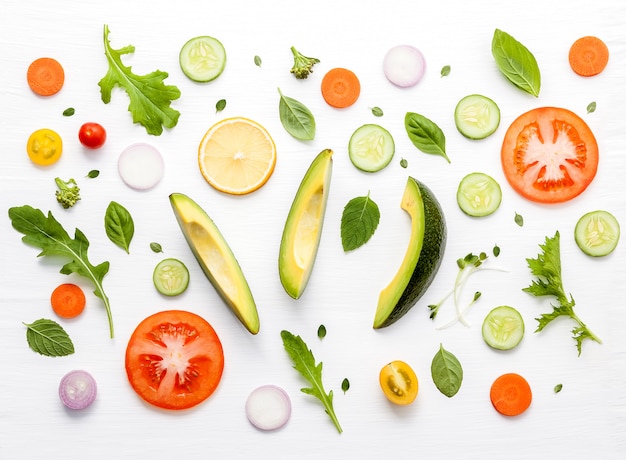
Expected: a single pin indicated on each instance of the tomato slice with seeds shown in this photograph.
(549, 155)
(174, 359)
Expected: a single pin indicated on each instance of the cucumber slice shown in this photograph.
(597, 233)
(170, 277)
(503, 328)
(202, 58)
(371, 148)
(476, 116)
(478, 195)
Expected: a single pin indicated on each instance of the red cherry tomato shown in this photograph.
(92, 135)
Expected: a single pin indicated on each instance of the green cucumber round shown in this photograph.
(597, 233)
(476, 116)
(371, 148)
(171, 277)
(202, 58)
(478, 195)
(503, 328)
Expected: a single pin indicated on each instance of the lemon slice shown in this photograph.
(237, 156)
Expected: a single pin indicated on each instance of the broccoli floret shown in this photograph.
(68, 193)
(302, 65)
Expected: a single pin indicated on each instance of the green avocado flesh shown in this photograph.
(303, 228)
(216, 259)
(422, 258)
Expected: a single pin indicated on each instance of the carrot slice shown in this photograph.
(510, 394)
(588, 56)
(68, 300)
(45, 76)
(340, 88)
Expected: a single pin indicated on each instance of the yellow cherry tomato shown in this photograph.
(399, 382)
(44, 147)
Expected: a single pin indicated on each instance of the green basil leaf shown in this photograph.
(296, 118)
(377, 111)
(358, 222)
(425, 134)
(447, 372)
(321, 331)
(156, 247)
(48, 338)
(119, 225)
(220, 105)
(69, 112)
(516, 62)
(345, 385)
(93, 174)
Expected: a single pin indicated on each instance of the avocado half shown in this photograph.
(303, 228)
(422, 258)
(216, 259)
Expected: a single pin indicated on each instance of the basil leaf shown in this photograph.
(48, 338)
(516, 63)
(69, 112)
(425, 134)
(119, 225)
(377, 111)
(220, 105)
(156, 247)
(345, 385)
(93, 174)
(321, 331)
(447, 372)
(296, 118)
(358, 222)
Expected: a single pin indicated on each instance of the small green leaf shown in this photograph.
(257, 61)
(156, 247)
(93, 174)
(220, 105)
(296, 118)
(48, 338)
(377, 111)
(519, 219)
(321, 331)
(119, 225)
(404, 163)
(345, 385)
(447, 372)
(445, 71)
(69, 112)
(425, 135)
(591, 107)
(496, 250)
(558, 388)
(358, 222)
(516, 62)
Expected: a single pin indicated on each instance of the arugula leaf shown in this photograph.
(304, 363)
(358, 222)
(119, 225)
(49, 235)
(425, 134)
(296, 118)
(447, 372)
(48, 338)
(150, 99)
(516, 62)
(547, 268)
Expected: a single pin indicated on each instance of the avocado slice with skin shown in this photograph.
(216, 259)
(422, 258)
(303, 228)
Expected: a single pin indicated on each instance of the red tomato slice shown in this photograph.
(549, 155)
(174, 359)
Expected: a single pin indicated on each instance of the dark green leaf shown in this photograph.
(69, 112)
(377, 111)
(425, 134)
(496, 250)
(93, 174)
(591, 107)
(220, 105)
(445, 71)
(516, 62)
(558, 387)
(296, 118)
(48, 338)
(156, 247)
(321, 331)
(119, 225)
(404, 163)
(519, 219)
(257, 61)
(358, 222)
(447, 372)
(345, 385)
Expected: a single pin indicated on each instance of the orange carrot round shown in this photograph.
(68, 300)
(340, 88)
(510, 394)
(588, 56)
(45, 76)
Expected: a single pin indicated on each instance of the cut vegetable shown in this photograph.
(503, 328)
(510, 394)
(371, 148)
(68, 300)
(44, 147)
(268, 407)
(597, 233)
(203, 58)
(476, 116)
(340, 88)
(404, 65)
(588, 56)
(399, 383)
(141, 166)
(478, 195)
(171, 277)
(45, 76)
(78, 389)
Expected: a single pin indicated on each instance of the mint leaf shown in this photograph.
(48, 338)
(516, 62)
(447, 372)
(358, 222)
(150, 99)
(119, 225)
(47, 234)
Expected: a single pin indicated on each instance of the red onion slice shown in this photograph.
(268, 407)
(404, 65)
(77, 389)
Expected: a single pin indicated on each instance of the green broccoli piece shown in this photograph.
(68, 193)
(302, 65)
